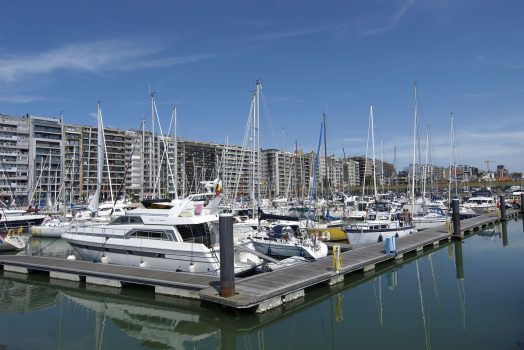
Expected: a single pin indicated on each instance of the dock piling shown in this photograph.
(227, 254)
(522, 203)
(502, 202)
(456, 219)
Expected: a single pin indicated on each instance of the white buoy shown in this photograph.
(104, 260)
(71, 257)
(191, 268)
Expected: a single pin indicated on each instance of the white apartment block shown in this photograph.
(14, 156)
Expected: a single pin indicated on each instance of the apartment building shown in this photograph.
(72, 162)
(45, 162)
(14, 156)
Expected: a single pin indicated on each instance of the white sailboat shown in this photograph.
(294, 242)
(11, 240)
(379, 223)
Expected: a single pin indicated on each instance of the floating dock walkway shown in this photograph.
(258, 293)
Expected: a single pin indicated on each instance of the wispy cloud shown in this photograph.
(25, 99)
(388, 23)
(90, 57)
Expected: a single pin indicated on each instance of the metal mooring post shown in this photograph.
(502, 202)
(227, 255)
(456, 219)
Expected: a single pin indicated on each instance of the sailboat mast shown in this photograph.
(176, 155)
(373, 152)
(259, 89)
(151, 146)
(255, 190)
(326, 169)
(142, 149)
(382, 166)
(415, 127)
(426, 167)
(72, 193)
(395, 164)
(451, 156)
(107, 158)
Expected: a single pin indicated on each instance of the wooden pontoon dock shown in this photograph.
(257, 293)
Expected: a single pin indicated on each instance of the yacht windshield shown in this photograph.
(126, 220)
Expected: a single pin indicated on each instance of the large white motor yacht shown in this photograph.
(176, 239)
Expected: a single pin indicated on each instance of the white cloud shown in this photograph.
(390, 22)
(90, 57)
(24, 98)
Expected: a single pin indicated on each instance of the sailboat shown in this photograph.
(379, 223)
(11, 240)
(282, 239)
(426, 214)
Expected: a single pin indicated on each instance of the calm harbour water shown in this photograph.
(463, 295)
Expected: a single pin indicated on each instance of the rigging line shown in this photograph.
(422, 306)
(101, 249)
(268, 118)
(437, 296)
(45, 247)
(13, 195)
(122, 183)
(105, 151)
(243, 152)
(165, 152)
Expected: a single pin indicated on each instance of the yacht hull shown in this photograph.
(171, 256)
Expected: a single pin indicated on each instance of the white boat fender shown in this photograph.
(104, 260)
(71, 257)
(142, 264)
(191, 268)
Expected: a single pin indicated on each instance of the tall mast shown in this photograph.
(382, 166)
(415, 127)
(151, 146)
(373, 151)
(71, 194)
(259, 89)
(62, 166)
(142, 160)
(395, 164)
(326, 169)
(176, 156)
(426, 168)
(256, 148)
(451, 156)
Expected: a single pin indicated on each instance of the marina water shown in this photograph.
(462, 295)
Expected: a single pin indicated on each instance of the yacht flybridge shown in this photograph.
(176, 239)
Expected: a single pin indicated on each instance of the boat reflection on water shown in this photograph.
(168, 324)
(51, 247)
(417, 301)
(158, 326)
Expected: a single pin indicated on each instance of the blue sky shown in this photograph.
(311, 56)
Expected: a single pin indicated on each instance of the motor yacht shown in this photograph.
(10, 218)
(176, 239)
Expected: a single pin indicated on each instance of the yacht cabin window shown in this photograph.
(146, 234)
(125, 220)
(198, 233)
